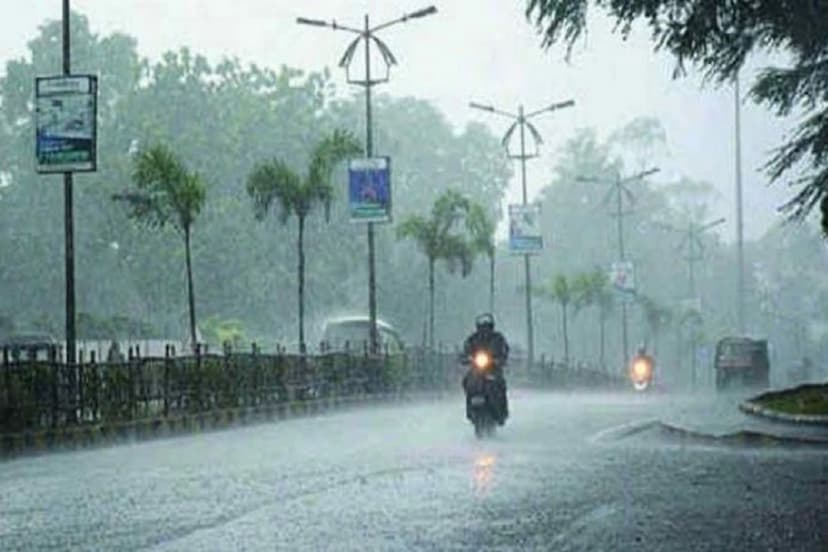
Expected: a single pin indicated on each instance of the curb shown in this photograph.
(750, 407)
(685, 436)
(744, 438)
(13, 445)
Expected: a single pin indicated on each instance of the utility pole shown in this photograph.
(619, 190)
(521, 120)
(739, 220)
(619, 216)
(368, 34)
(68, 217)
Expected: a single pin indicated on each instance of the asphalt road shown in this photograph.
(413, 477)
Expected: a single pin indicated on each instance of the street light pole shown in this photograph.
(739, 221)
(369, 151)
(522, 121)
(619, 187)
(619, 215)
(368, 34)
(68, 217)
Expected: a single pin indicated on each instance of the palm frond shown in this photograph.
(482, 229)
(332, 150)
(165, 191)
(274, 182)
(456, 252)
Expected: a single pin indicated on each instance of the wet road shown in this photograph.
(414, 478)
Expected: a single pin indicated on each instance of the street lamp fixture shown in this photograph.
(368, 34)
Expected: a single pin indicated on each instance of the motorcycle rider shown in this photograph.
(487, 338)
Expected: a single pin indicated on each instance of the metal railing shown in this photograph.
(48, 393)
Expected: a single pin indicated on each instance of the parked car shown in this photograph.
(354, 332)
(741, 361)
(29, 344)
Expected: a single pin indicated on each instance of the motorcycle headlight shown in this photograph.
(641, 369)
(482, 360)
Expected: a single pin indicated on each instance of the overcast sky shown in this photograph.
(480, 50)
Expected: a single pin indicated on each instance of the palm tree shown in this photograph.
(482, 229)
(560, 290)
(167, 193)
(273, 182)
(592, 289)
(438, 240)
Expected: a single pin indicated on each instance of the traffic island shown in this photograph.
(805, 404)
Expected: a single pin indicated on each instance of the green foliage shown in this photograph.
(441, 238)
(166, 192)
(718, 37)
(221, 331)
(274, 181)
(482, 228)
(438, 237)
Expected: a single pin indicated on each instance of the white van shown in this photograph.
(355, 331)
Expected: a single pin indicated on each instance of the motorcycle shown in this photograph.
(641, 373)
(481, 387)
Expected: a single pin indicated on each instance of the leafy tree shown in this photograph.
(167, 194)
(275, 182)
(439, 239)
(560, 290)
(718, 37)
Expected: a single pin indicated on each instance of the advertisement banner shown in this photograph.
(65, 123)
(524, 229)
(369, 189)
(622, 278)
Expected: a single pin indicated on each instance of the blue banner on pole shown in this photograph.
(369, 189)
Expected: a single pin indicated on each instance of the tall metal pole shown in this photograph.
(691, 261)
(369, 151)
(619, 213)
(739, 221)
(530, 337)
(69, 231)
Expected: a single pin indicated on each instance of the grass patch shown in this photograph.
(809, 400)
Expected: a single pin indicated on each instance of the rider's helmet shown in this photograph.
(485, 322)
(642, 350)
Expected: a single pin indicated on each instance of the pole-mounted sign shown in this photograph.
(369, 189)
(65, 122)
(622, 278)
(524, 229)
